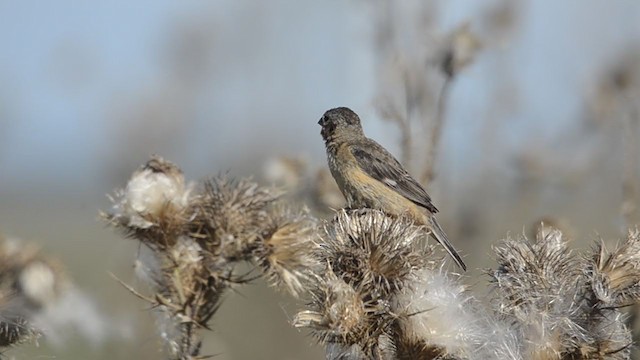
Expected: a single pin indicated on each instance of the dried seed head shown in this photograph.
(188, 287)
(370, 258)
(339, 312)
(232, 216)
(155, 189)
(196, 239)
(157, 184)
(539, 287)
(442, 320)
(186, 252)
(611, 282)
(36, 297)
(615, 276)
(568, 307)
(184, 266)
(33, 280)
(413, 348)
(15, 330)
(609, 339)
(460, 49)
(37, 282)
(286, 249)
(372, 251)
(153, 207)
(347, 318)
(385, 350)
(29, 284)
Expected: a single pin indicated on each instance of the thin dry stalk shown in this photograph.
(630, 180)
(436, 133)
(405, 69)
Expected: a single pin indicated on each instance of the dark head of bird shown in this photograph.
(338, 122)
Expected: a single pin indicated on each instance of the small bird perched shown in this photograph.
(369, 176)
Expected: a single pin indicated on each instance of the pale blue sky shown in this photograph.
(68, 67)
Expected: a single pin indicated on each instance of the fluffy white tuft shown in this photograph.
(147, 193)
(75, 310)
(38, 283)
(443, 314)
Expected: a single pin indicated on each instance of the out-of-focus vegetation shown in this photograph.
(513, 113)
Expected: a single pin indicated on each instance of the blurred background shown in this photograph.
(540, 122)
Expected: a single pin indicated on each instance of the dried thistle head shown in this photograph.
(408, 350)
(232, 215)
(286, 249)
(370, 258)
(615, 276)
(36, 280)
(609, 338)
(611, 282)
(339, 309)
(539, 286)
(196, 235)
(373, 251)
(29, 283)
(460, 48)
(566, 307)
(15, 330)
(346, 317)
(153, 207)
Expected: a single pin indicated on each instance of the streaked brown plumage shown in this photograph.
(369, 176)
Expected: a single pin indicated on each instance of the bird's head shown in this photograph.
(339, 122)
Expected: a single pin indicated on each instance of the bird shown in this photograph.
(370, 177)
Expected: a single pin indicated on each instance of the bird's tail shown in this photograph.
(441, 237)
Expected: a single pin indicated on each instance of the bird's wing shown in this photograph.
(386, 169)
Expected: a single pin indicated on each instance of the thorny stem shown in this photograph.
(190, 344)
(436, 132)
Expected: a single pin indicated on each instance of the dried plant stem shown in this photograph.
(428, 173)
(404, 122)
(630, 173)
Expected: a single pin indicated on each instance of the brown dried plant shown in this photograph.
(374, 286)
(196, 234)
(29, 282)
(385, 295)
(564, 306)
(369, 259)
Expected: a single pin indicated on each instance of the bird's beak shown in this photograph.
(321, 121)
